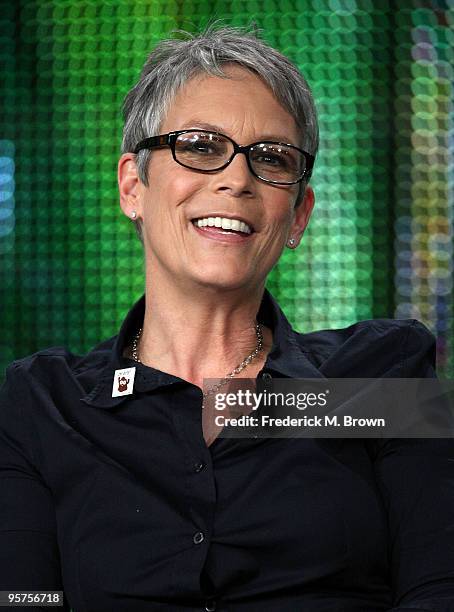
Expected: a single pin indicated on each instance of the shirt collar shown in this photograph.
(286, 359)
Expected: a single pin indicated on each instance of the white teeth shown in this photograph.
(224, 223)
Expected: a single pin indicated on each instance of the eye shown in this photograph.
(273, 158)
(201, 145)
(270, 160)
(207, 148)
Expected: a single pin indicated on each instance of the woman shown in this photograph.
(116, 487)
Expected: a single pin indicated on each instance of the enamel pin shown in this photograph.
(123, 382)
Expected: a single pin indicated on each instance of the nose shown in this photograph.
(236, 179)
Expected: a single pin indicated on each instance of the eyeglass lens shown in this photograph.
(209, 151)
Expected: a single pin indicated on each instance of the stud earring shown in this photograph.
(291, 242)
(133, 214)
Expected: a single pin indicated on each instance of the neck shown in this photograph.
(200, 334)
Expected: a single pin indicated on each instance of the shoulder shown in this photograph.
(374, 347)
(57, 368)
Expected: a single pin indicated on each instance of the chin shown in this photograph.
(223, 282)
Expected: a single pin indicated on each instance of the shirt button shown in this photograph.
(210, 606)
(266, 376)
(198, 537)
(199, 466)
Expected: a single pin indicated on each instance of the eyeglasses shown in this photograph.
(272, 162)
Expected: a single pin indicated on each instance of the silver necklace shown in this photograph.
(239, 368)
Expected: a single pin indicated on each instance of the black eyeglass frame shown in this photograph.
(170, 140)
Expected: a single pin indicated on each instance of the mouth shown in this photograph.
(228, 225)
(229, 230)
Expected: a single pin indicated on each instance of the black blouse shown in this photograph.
(120, 503)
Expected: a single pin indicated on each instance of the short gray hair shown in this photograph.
(175, 61)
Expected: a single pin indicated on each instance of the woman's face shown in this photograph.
(244, 109)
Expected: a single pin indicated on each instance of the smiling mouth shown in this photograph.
(223, 225)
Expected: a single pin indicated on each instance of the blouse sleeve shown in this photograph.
(416, 480)
(29, 557)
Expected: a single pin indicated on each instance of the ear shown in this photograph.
(301, 215)
(130, 186)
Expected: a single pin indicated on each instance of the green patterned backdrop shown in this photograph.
(380, 241)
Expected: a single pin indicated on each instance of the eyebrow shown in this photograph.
(196, 124)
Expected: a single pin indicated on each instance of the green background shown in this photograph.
(379, 243)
